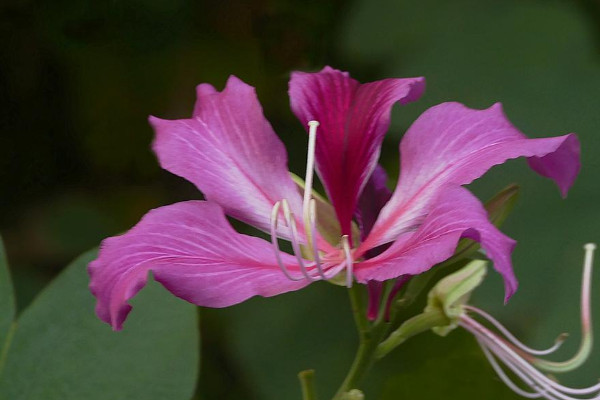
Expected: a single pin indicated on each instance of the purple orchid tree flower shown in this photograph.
(231, 153)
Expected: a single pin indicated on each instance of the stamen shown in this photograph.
(274, 221)
(513, 340)
(504, 378)
(291, 222)
(550, 388)
(349, 261)
(534, 378)
(585, 347)
(310, 168)
(312, 218)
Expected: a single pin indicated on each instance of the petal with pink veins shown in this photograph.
(456, 213)
(230, 152)
(193, 251)
(353, 120)
(453, 144)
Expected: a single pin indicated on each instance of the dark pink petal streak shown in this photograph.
(193, 251)
(354, 118)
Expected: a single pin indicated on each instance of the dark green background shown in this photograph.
(79, 78)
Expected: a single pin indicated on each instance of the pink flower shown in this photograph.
(230, 152)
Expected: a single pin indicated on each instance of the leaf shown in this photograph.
(7, 304)
(61, 350)
(452, 367)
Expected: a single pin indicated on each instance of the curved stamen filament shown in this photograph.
(274, 221)
(585, 347)
(507, 381)
(349, 260)
(291, 223)
(310, 168)
(524, 367)
(313, 231)
(512, 339)
(535, 379)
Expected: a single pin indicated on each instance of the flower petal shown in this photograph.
(192, 251)
(230, 152)
(353, 120)
(451, 143)
(374, 196)
(456, 213)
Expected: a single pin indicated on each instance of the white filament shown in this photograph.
(310, 164)
(552, 390)
(274, 221)
(309, 214)
(291, 222)
(559, 341)
(495, 347)
(349, 261)
(507, 381)
(313, 231)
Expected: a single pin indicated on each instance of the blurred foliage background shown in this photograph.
(79, 79)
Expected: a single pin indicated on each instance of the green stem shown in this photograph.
(417, 324)
(369, 336)
(307, 382)
(358, 311)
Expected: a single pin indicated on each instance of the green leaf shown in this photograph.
(7, 305)
(61, 350)
(452, 367)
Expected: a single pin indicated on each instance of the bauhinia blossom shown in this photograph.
(231, 153)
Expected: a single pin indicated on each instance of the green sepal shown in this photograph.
(444, 306)
(452, 292)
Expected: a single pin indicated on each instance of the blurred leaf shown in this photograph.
(7, 302)
(271, 340)
(61, 350)
(452, 367)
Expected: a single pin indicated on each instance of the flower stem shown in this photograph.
(369, 336)
(307, 382)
